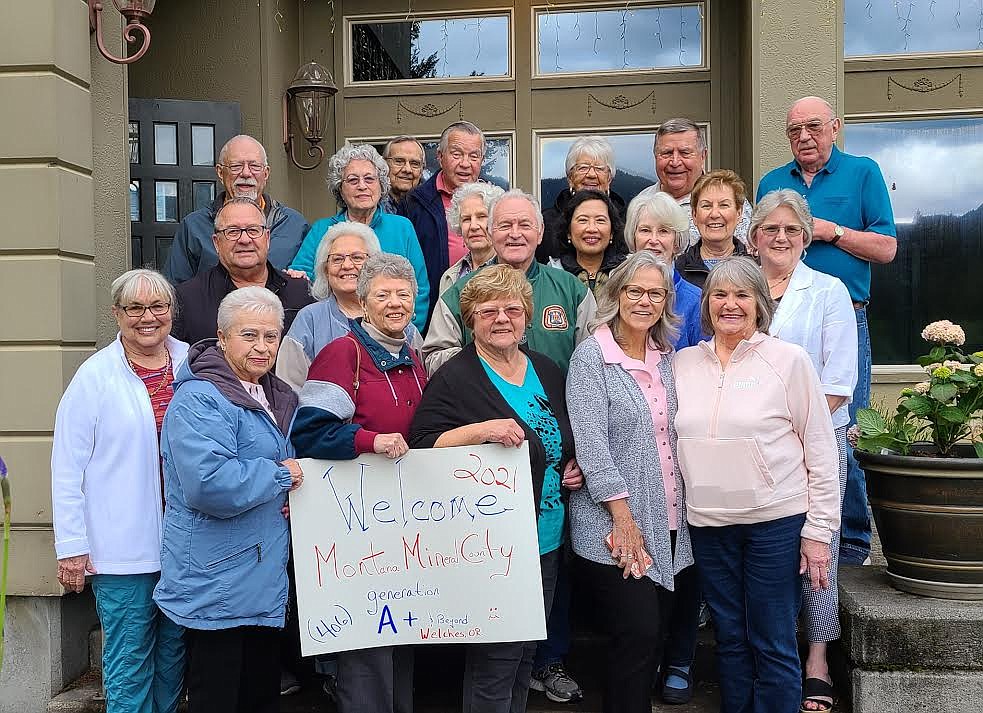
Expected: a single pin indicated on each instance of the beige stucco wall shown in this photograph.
(795, 48)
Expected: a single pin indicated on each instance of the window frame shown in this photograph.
(604, 131)
(349, 55)
(537, 10)
(916, 56)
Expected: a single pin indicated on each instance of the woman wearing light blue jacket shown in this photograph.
(359, 181)
(228, 466)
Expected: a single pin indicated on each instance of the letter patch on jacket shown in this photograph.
(555, 318)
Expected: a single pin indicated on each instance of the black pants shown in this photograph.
(630, 612)
(234, 670)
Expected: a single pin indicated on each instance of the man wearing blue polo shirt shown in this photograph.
(854, 226)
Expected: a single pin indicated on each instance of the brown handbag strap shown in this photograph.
(358, 362)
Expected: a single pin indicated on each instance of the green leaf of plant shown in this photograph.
(978, 447)
(952, 414)
(925, 360)
(962, 377)
(937, 353)
(944, 392)
(871, 421)
(918, 405)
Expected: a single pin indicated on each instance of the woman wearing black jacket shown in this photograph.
(495, 392)
(593, 244)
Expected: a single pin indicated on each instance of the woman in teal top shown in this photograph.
(358, 179)
(494, 392)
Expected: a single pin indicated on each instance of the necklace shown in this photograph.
(163, 370)
(776, 283)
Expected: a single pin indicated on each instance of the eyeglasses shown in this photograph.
(512, 312)
(814, 127)
(791, 231)
(338, 259)
(354, 181)
(157, 309)
(634, 293)
(234, 233)
(237, 167)
(582, 169)
(401, 162)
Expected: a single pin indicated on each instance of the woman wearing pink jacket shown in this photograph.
(758, 455)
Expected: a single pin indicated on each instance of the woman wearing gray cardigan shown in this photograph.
(629, 524)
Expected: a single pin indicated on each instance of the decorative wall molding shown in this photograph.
(924, 85)
(619, 102)
(429, 110)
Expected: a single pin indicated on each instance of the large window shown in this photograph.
(442, 48)
(890, 27)
(619, 38)
(932, 170)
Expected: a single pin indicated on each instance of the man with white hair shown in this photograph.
(853, 227)
(680, 153)
(562, 305)
(460, 154)
(243, 170)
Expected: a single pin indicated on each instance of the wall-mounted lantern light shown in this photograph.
(135, 12)
(308, 94)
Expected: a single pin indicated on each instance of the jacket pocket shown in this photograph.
(724, 473)
(237, 558)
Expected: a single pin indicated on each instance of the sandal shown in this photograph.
(677, 696)
(816, 690)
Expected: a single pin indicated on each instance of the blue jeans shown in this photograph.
(554, 648)
(855, 523)
(143, 652)
(750, 578)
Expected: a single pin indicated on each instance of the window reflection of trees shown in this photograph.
(932, 171)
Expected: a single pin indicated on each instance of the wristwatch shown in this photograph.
(837, 234)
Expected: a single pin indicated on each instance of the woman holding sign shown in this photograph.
(629, 524)
(495, 392)
(360, 396)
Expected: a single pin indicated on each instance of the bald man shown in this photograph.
(853, 227)
(243, 170)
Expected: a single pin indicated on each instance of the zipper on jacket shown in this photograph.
(716, 403)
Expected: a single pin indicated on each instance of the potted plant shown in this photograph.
(924, 465)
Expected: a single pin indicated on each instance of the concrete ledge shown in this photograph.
(916, 691)
(884, 629)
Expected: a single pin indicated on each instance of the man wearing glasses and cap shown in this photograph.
(853, 227)
(244, 171)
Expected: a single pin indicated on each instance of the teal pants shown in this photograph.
(143, 650)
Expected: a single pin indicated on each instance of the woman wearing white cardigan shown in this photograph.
(814, 310)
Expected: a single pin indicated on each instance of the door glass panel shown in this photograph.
(203, 193)
(878, 28)
(136, 252)
(475, 46)
(134, 136)
(163, 248)
(165, 201)
(135, 200)
(165, 144)
(634, 164)
(202, 145)
(619, 39)
(931, 167)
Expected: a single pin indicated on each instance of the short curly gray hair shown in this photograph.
(486, 191)
(127, 286)
(384, 265)
(741, 272)
(661, 208)
(355, 152)
(321, 289)
(781, 198)
(253, 299)
(516, 193)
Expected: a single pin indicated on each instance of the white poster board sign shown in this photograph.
(438, 546)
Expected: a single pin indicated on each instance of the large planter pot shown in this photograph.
(929, 515)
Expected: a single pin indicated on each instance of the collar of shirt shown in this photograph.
(614, 354)
(830, 167)
(442, 186)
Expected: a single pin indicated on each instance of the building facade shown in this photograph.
(99, 161)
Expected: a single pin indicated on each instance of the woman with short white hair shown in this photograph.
(106, 493)
(228, 466)
(656, 222)
(590, 165)
(340, 257)
(358, 178)
(468, 216)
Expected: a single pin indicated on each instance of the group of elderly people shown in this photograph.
(682, 379)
